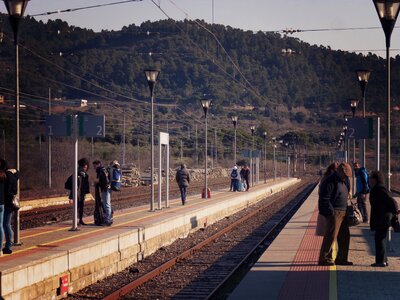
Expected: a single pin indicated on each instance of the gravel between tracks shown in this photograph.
(182, 280)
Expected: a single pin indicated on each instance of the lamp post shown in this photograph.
(16, 10)
(234, 122)
(265, 156)
(388, 11)
(346, 143)
(280, 165)
(287, 159)
(274, 149)
(252, 129)
(205, 103)
(152, 77)
(353, 106)
(363, 77)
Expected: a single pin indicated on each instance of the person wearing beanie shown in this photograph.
(332, 205)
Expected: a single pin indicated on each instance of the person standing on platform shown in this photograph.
(246, 176)
(383, 208)
(235, 179)
(183, 180)
(103, 182)
(242, 170)
(332, 204)
(362, 190)
(83, 187)
(10, 190)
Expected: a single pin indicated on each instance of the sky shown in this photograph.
(254, 15)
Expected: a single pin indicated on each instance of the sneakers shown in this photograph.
(7, 251)
(326, 263)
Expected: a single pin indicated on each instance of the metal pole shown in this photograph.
(205, 163)
(354, 160)
(49, 144)
(181, 151)
(160, 171)
(75, 176)
(167, 177)
(215, 147)
(197, 153)
(265, 160)
(363, 141)
(388, 119)
(17, 165)
(152, 152)
(288, 163)
(123, 142)
(378, 144)
(251, 164)
(234, 149)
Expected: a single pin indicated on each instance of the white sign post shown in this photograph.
(163, 140)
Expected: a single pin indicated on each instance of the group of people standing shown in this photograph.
(240, 179)
(333, 203)
(8, 189)
(107, 180)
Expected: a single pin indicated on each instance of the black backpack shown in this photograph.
(234, 173)
(68, 183)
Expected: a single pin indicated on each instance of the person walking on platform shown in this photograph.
(242, 170)
(10, 190)
(83, 187)
(332, 204)
(383, 208)
(235, 179)
(183, 179)
(246, 176)
(362, 190)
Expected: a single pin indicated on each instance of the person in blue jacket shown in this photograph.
(362, 190)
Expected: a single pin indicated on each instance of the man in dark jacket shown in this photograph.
(332, 204)
(362, 190)
(83, 187)
(183, 179)
(383, 208)
(246, 176)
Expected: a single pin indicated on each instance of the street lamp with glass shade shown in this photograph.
(205, 104)
(152, 77)
(234, 122)
(353, 106)
(388, 11)
(16, 10)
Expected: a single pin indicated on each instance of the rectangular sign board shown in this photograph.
(340, 155)
(91, 126)
(59, 125)
(247, 153)
(360, 128)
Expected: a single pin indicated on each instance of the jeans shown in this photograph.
(81, 206)
(183, 194)
(1, 227)
(380, 245)
(235, 185)
(106, 200)
(336, 229)
(362, 206)
(7, 228)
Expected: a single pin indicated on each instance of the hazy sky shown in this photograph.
(245, 14)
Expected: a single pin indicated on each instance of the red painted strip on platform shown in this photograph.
(307, 280)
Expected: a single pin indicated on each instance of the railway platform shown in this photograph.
(289, 269)
(53, 261)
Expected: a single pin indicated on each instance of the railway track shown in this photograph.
(204, 267)
(127, 198)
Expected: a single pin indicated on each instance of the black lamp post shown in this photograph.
(265, 156)
(234, 122)
(274, 149)
(152, 77)
(205, 104)
(388, 11)
(287, 159)
(353, 106)
(16, 10)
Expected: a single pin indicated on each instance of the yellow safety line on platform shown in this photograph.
(333, 295)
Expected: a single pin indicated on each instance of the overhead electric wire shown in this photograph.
(82, 8)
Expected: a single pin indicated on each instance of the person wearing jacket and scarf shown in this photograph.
(383, 208)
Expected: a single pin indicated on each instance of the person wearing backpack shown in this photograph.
(183, 179)
(362, 190)
(235, 179)
(103, 184)
(10, 190)
(115, 176)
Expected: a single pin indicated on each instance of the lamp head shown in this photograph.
(152, 77)
(252, 128)
(265, 135)
(205, 103)
(388, 11)
(234, 120)
(16, 10)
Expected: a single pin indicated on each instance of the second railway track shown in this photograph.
(198, 267)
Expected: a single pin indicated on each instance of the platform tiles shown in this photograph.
(53, 260)
(289, 267)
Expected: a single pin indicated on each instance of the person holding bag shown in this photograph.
(383, 209)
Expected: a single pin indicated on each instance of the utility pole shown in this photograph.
(49, 145)
(138, 154)
(123, 142)
(215, 147)
(181, 151)
(196, 145)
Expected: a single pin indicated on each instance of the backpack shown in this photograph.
(115, 179)
(68, 183)
(234, 173)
